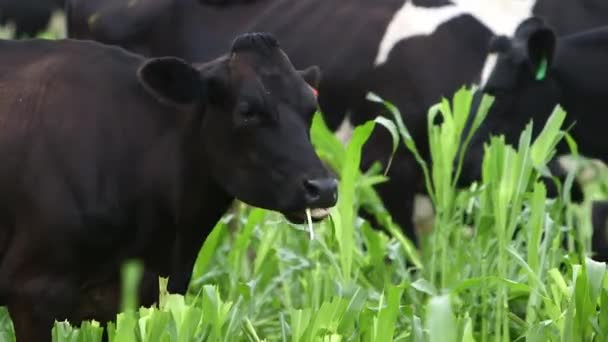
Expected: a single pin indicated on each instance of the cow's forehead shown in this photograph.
(261, 63)
(268, 70)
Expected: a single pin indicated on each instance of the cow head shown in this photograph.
(255, 115)
(523, 84)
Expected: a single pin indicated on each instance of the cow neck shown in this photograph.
(202, 199)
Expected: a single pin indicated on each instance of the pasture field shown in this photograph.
(509, 278)
(502, 261)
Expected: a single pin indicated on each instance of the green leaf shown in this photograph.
(205, 255)
(424, 286)
(543, 148)
(596, 272)
(387, 318)
(440, 320)
(392, 128)
(348, 180)
(327, 145)
(132, 272)
(467, 334)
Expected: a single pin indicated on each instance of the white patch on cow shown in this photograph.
(500, 16)
(411, 20)
(424, 214)
(345, 131)
(488, 66)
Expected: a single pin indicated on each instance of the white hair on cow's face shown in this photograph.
(345, 131)
(500, 16)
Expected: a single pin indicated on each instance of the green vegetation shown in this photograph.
(55, 30)
(493, 268)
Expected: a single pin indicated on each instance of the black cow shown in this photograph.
(108, 156)
(568, 17)
(599, 221)
(409, 52)
(30, 17)
(534, 71)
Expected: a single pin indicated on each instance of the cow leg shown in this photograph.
(599, 220)
(398, 193)
(188, 243)
(37, 303)
(405, 180)
(38, 290)
(398, 196)
(27, 326)
(558, 171)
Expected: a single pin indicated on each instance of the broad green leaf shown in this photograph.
(440, 321)
(387, 318)
(205, 255)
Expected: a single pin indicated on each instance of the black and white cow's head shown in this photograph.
(522, 80)
(254, 130)
(523, 84)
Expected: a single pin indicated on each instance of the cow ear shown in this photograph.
(541, 47)
(312, 75)
(216, 81)
(171, 80)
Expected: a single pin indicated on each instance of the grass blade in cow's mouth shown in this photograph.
(316, 215)
(310, 228)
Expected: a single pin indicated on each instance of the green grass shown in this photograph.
(493, 268)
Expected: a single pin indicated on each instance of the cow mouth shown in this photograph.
(299, 217)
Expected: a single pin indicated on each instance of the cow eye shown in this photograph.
(248, 113)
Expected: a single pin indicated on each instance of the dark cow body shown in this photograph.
(30, 17)
(344, 38)
(568, 17)
(413, 93)
(107, 156)
(575, 78)
(599, 221)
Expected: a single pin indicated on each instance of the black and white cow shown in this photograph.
(409, 52)
(533, 71)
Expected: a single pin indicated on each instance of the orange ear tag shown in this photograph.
(314, 91)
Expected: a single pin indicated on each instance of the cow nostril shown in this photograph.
(313, 191)
(321, 193)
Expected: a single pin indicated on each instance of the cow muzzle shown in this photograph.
(320, 195)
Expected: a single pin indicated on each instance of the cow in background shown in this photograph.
(533, 71)
(409, 52)
(30, 17)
